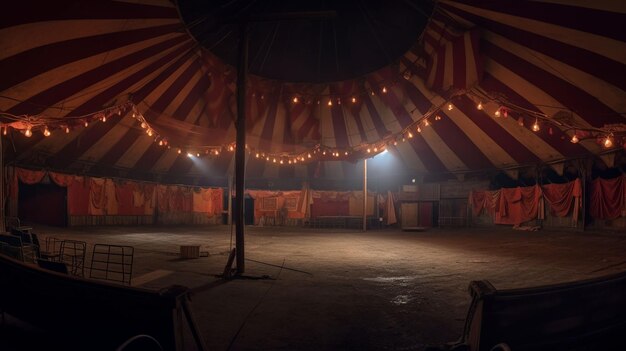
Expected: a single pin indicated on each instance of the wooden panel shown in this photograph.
(408, 212)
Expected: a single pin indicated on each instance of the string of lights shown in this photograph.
(608, 137)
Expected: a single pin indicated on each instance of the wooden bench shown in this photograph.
(94, 315)
(582, 315)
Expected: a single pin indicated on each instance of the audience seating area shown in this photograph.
(582, 315)
(95, 315)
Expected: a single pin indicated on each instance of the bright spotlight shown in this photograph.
(189, 155)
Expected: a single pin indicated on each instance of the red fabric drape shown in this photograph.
(60, 179)
(97, 196)
(124, 193)
(563, 198)
(78, 196)
(607, 198)
(208, 201)
(484, 200)
(518, 205)
(29, 177)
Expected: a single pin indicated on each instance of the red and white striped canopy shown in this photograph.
(559, 63)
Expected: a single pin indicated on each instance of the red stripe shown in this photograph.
(424, 152)
(338, 120)
(196, 93)
(149, 87)
(270, 120)
(120, 147)
(77, 146)
(450, 133)
(518, 151)
(175, 87)
(309, 124)
(36, 104)
(415, 69)
(31, 63)
(604, 23)
(587, 106)
(376, 118)
(150, 156)
(22, 12)
(558, 140)
(459, 62)
(587, 61)
(441, 66)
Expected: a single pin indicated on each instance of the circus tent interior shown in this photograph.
(412, 119)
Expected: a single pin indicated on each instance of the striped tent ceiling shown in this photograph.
(71, 65)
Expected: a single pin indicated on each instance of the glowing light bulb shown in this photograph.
(189, 155)
(281, 162)
(46, 132)
(479, 106)
(497, 113)
(353, 100)
(520, 121)
(373, 93)
(574, 139)
(160, 142)
(257, 155)
(267, 158)
(368, 150)
(295, 99)
(375, 149)
(384, 90)
(28, 133)
(274, 160)
(104, 118)
(608, 142)
(410, 135)
(324, 153)
(144, 125)
(395, 142)
(450, 107)
(67, 130)
(198, 154)
(5, 131)
(230, 148)
(346, 153)
(330, 102)
(419, 130)
(149, 132)
(535, 126)
(309, 155)
(180, 151)
(290, 162)
(217, 152)
(86, 124)
(426, 123)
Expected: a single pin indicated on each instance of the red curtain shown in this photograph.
(78, 197)
(63, 180)
(518, 205)
(563, 198)
(484, 200)
(30, 177)
(607, 198)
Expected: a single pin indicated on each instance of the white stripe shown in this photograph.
(611, 48)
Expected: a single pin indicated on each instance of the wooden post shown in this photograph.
(240, 152)
(230, 200)
(2, 202)
(364, 194)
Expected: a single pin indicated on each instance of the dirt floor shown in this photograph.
(343, 289)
